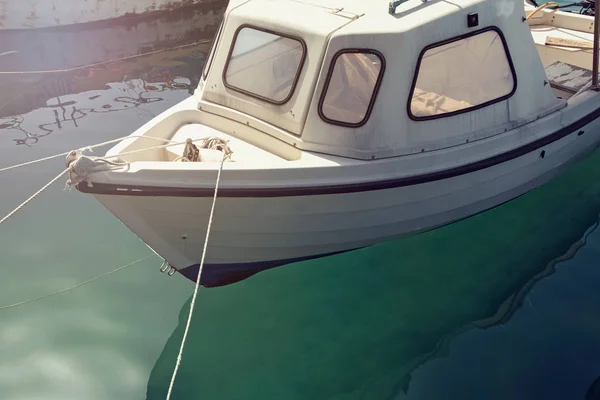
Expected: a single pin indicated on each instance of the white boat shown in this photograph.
(353, 123)
(34, 14)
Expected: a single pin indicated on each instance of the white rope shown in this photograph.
(171, 143)
(226, 154)
(33, 196)
(34, 161)
(21, 303)
(54, 71)
(85, 148)
(210, 141)
(187, 326)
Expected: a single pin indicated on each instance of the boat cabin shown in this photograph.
(370, 79)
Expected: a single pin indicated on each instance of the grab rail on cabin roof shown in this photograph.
(394, 4)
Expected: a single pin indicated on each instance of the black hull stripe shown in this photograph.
(135, 190)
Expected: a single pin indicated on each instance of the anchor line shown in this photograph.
(84, 149)
(55, 71)
(226, 153)
(193, 302)
(208, 143)
(21, 303)
(33, 196)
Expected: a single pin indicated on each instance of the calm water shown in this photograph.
(503, 305)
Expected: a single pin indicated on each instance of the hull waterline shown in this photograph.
(307, 101)
(252, 234)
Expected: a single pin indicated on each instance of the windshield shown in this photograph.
(265, 65)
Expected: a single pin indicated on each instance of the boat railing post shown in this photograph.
(596, 35)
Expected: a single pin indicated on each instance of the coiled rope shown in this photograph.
(210, 142)
(193, 302)
(21, 303)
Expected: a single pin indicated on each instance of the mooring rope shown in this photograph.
(13, 212)
(86, 148)
(209, 140)
(21, 303)
(33, 196)
(55, 71)
(189, 320)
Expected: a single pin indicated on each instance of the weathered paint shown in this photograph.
(570, 78)
(22, 14)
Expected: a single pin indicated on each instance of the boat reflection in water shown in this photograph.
(357, 325)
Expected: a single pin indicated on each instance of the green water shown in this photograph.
(358, 325)
(503, 305)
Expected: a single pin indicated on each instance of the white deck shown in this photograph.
(242, 150)
(550, 54)
(541, 32)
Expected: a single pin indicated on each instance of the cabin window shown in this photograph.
(351, 87)
(461, 75)
(264, 64)
(212, 52)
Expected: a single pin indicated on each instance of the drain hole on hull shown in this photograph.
(580, 133)
(543, 154)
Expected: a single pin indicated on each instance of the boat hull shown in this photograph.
(37, 14)
(250, 234)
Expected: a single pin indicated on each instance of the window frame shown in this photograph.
(272, 32)
(213, 50)
(469, 109)
(373, 95)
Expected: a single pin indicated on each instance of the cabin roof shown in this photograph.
(380, 7)
(372, 16)
(400, 39)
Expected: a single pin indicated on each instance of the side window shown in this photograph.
(264, 64)
(462, 75)
(213, 48)
(351, 87)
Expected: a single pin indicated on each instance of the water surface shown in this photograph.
(501, 305)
